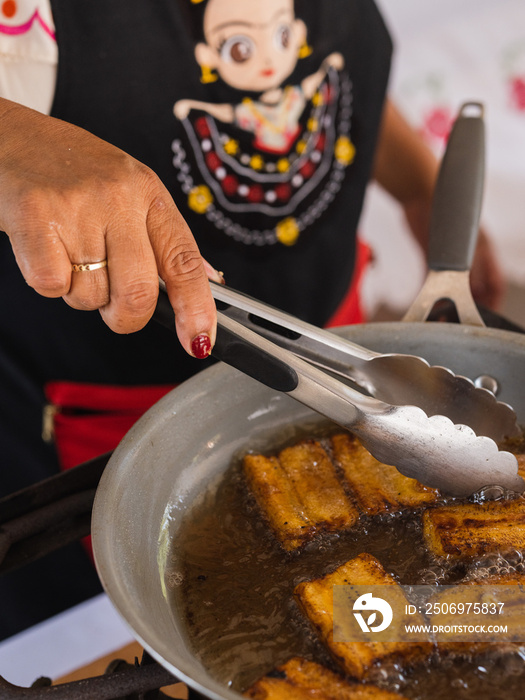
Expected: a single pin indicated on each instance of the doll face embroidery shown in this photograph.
(253, 46)
(277, 158)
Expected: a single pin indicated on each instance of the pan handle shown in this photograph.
(458, 195)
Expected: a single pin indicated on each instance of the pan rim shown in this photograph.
(114, 478)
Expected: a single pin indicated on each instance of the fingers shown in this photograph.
(213, 274)
(487, 280)
(89, 288)
(71, 198)
(182, 268)
(149, 240)
(133, 278)
(42, 259)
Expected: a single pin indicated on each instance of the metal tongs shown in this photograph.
(394, 378)
(431, 449)
(415, 418)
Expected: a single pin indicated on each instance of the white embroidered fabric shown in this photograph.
(28, 53)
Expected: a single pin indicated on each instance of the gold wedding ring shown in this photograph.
(88, 267)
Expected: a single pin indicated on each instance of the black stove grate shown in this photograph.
(48, 515)
(122, 681)
(39, 520)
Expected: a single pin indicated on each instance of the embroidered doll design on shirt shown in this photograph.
(282, 150)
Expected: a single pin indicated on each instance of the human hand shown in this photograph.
(487, 280)
(486, 277)
(69, 197)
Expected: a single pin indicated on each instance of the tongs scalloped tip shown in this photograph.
(437, 440)
(402, 380)
(433, 450)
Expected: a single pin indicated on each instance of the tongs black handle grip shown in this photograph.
(281, 370)
(316, 345)
(236, 351)
(252, 360)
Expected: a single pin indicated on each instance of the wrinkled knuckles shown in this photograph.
(183, 261)
(83, 304)
(89, 293)
(48, 284)
(163, 215)
(137, 301)
(154, 190)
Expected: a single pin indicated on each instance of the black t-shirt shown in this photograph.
(271, 179)
(271, 185)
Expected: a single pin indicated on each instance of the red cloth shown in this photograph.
(91, 419)
(350, 310)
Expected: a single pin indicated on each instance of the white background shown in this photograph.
(448, 53)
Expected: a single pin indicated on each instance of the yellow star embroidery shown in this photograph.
(344, 150)
(257, 162)
(287, 231)
(200, 198)
(231, 147)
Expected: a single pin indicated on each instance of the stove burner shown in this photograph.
(122, 681)
(48, 515)
(38, 520)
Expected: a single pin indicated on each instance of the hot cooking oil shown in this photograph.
(235, 584)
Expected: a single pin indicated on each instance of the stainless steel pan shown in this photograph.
(184, 444)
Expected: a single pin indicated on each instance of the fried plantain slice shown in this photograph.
(278, 500)
(490, 601)
(377, 487)
(471, 529)
(299, 493)
(314, 478)
(521, 464)
(299, 679)
(315, 598)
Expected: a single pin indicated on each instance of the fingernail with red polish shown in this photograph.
(201, 346)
